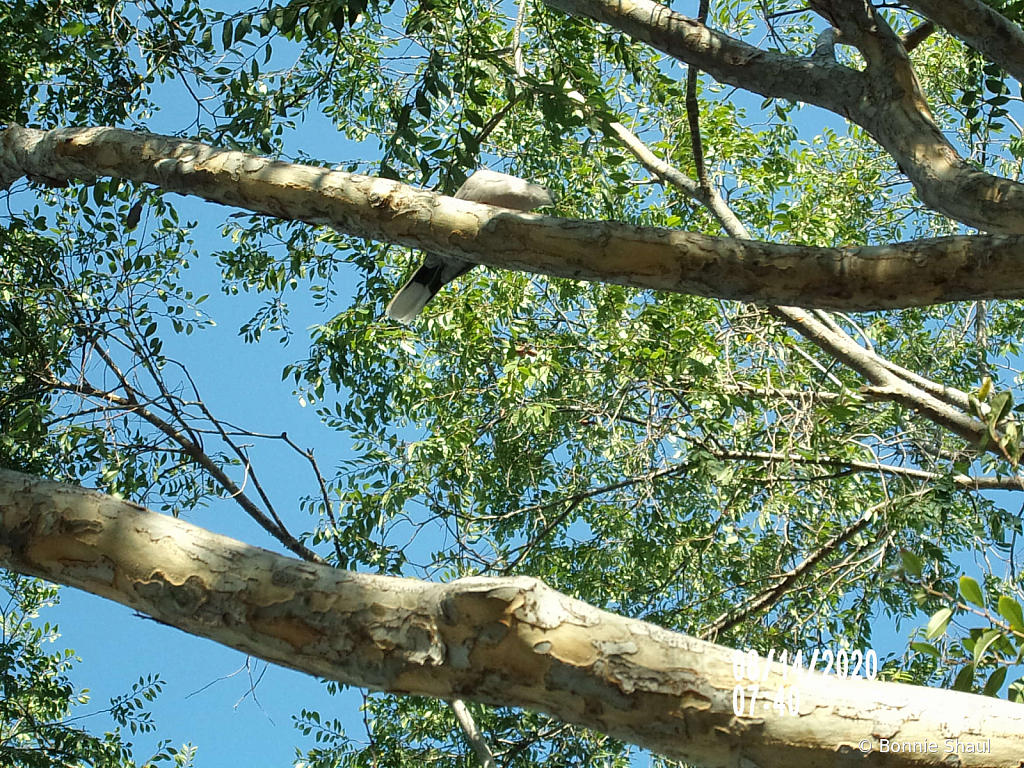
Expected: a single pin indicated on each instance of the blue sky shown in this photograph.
(208, 698)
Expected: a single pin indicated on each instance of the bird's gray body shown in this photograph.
(488, 187)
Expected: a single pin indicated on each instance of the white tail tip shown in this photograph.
(409, 302)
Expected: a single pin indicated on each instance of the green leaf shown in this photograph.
(995, 682)
(911, 563)
(1015, 693)
(965, 679)
(971, 591)
(1002, 404)
(938, 623)
(926, 648)
(1010, 610)
(987, 638)
(74, 29)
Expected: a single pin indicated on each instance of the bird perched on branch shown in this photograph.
(488, 187)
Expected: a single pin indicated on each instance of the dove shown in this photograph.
(488, 187)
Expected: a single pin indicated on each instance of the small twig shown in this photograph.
(771, 595)
(196, 453)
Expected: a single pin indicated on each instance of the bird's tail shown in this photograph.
(424, 285)
(412, 298)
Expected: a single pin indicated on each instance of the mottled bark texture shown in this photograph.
(884, 98)
(892, 276)
(506, 642)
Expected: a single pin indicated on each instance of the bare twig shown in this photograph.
(473, 736)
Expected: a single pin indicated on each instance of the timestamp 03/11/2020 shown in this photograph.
(750, 666)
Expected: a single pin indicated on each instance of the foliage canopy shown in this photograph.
(687, 461)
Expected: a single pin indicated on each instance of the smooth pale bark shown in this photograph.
(505, 642)
(916, 273)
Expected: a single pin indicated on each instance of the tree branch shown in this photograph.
(197, 454)
(861, 278)
(887, 103)
(473, 736)
(771, 595)
(917, 35)
(980, 26)
(886, 379)
(511, 642)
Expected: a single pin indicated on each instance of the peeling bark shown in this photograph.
(504, 642)
(909, 274)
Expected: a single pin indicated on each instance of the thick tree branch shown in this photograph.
(883, 381)
(980, 26)
(822, 331)
(888, 104)
(916, 273)
(728, 60)
(919, 272)
(506, 642)
(862, 27)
